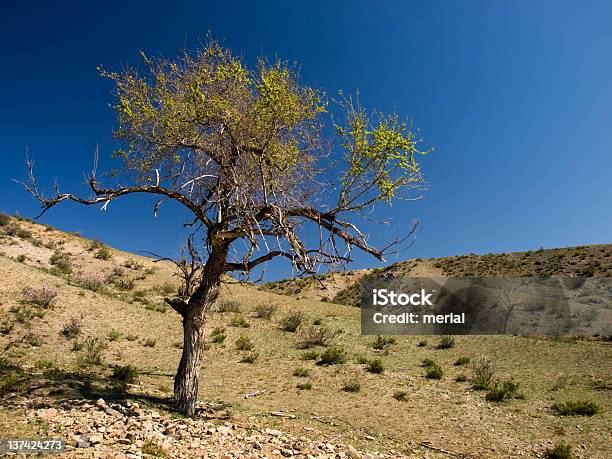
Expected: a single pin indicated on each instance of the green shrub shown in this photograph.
(292, 321)
(381, 342)
(362, 359)
(265, 311)
(434, 372)
(502, 390)
(375, 366)
(576, 408)
(153, 448)
(92, 351)
(483, 374)
(428, 363)
(125, 374)
(559, 451)
(124, 283)
(13, 381)
(228, 306)
(401, 396)
(218, 335)
(311, 355)
(6, 327)
(317, 321)
(351, 386)
(61, 262)
(251, 357)
(21, 258)
(114, 335)
(103, 253)
(239, 322)
(72, 328)
(461, 378)
(131, 337)
(77, 346)
(446, 342)
(315, 336)
(244, 343)
(332, 356)
(462, 361)
(43, 364)
(301, 372)
(304, 386)
(422, 343)
(167, 288)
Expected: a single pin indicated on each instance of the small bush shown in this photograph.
(167, 288)
(43, 297)
(17, 231)
(24, 314)
(292, 321)
(218, 335)
(244, 343)
(131, 337)
(77, 346)
(90, 281)
(21, 258)
(301, 372)
(239, 322)
(401, 396)
(4, 219)
(576, 408)
(13, 381)
(446, 342)
(502, 390)
(434, 372)
(483, 374)
(93, 349)
(114, 335)
(103, 253)
(317, 321)
(95, 245)
(428, 363)
(132, 264)
(304, 386)
(422, 343)
(124, 374)
(149, 342)
(559, 451)
(153, 448)
(251, 357)
(375, 366)
(461, 378)
(332, 356)
(228, 306)
(44, 364)
(351, 386)
(124, 283)
(265, 311)
(315, 336)
(362, 359)
(72, 328)
(311, 355)
(6, 327)
(61, 261)
(381, 342)
(462, 361)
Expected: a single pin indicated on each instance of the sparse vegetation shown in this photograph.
(559, 451)
(483, 374)
(311, 355)
(228, 306)
(446, 342)
(90, 281)
(502, 391)
(265, 311)
(251, 357)
(4, 219)
(315, 336)
(72, 328)
(149, 342)
(239, 322)
(304, 386)
(301, 372)
(576, 408)
(93, 349)
(462, 361)
(422, 343)
(122, 376)
(434, 372)
(382, 342)
(61, 262)
(400, 396)
(332, 356)
(244, 343)
(103, 253)
(218, 335)
(113, 335)
(351, 386)
(43, 297)
(375, 366)
(292, 321)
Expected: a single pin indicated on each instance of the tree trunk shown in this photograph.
(188, 373)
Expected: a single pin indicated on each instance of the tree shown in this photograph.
(245, 151)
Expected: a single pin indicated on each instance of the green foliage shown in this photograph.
(434, 372)
(125, 374)
(153, 448)
(72, 328)
(265, 311)
(483, 374)
(311, 355)
(375, 366)
(301, 372)
(114, 335)
(218, 335)
(576, 408)
(559, 451)
(351, 386)
(304, 386)
(428, 363)
(502, 391)
(103, 253)
(332, 356)
(446, 342)
(244, 343)
(251, 357)
(228, 306)
(292, 321)
(422, 343)
(462, 361)
(61, 262)
(400, 396)
(315, 336)
(93, 348)
(381, 342)
(239, 322)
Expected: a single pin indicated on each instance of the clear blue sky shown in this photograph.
(515, 96)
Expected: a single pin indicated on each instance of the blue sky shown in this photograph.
(515, 96)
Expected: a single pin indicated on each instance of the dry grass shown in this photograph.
(448, 413)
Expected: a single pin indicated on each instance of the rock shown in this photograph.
(100, 403)
(95, 439)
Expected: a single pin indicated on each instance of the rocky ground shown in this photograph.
(124, 430)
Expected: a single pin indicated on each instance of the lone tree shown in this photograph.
(247, 152)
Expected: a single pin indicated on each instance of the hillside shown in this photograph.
(267, 391)
(343, 287)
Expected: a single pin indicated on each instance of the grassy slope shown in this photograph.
(446, 413)
(343, 288)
